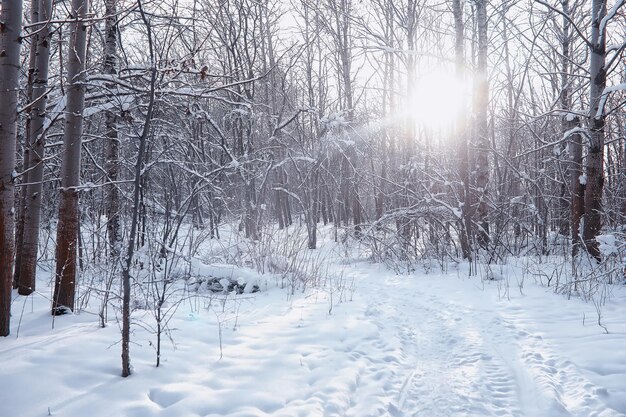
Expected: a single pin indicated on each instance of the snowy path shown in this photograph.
(472, 360)
(426, 346)
(457, 368)
(407, 346)
(469, 360)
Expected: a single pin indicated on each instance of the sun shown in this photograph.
(439, 99)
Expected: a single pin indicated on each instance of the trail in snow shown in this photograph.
(469, 360)
(455, 372)
(452, 369)
(425, 346)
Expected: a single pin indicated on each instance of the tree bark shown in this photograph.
(482, 144)
(19, 233)
(577, 189)
(37, 139)
(595, 156)
(67, 229)
(112, 140)
(143, 139)
(461, 134)
(565, 101)
(10, 42)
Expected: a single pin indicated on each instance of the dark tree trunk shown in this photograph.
(567, 124)
(67, 229)
(19, 233)
(595, 156)
(36, 145)
(465, 222)
(481, 98)
(577, 188)
(137, 205)
(113, 144)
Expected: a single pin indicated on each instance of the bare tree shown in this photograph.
(595, 157)
(481, 102)
(36, 146)
(139, 166)
(113, 141)
(69, 216)
(10, 42)
(459, 53)
(576, 184)
(19, 232)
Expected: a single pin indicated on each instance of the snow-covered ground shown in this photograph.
(378, 344)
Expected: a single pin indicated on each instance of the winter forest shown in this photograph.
(312, 208)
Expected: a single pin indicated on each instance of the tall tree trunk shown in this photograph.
(137, 184)
(351, 202)
(595, 156)
(19, 233)
(565, 101)
(482, 129)
(37, 139)
(577, 188)
(406, 146)
(113, 144)
(345, 53)
(67, 229)
(10, 42)
(461, 134)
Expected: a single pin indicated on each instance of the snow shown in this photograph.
(605, 95)
(368, 343)
(608, 244)
(120, 102)
(573, 131)
(334, 120)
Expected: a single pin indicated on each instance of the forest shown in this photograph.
(167, 162)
